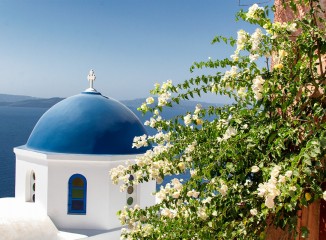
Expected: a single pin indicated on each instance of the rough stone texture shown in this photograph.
(286, 14)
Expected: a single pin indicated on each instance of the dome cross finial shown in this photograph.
(91, 78)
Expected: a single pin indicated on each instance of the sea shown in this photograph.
(16, 124)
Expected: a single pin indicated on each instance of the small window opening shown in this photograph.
(30, 187)
(77, 190)
(131, 193)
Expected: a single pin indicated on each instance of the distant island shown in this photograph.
(28, 101)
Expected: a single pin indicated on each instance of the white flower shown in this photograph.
(144, 107)
(255, 39)
(156, 112)
(176, 194)
(223, 190)
(191, 147)
(230, 74)
(281, 179)
(288, 173)
(187, 119)
(262, 189)
(167, 212)
(233, 71)
(231, 131)
(292, 27)
(207, 200)
(166, 85)
(202, 213)
(248, 183)
(269, 202)
(235, 57)
(195, 194)
(192, 193)
(140, 141)
(147, 229)
(176, 184)
(282, 53)
(152, 122)
(193, 173)
(242, 92)
(253, 57)
(241, 40)
(253, 211)
(150, 100)
(164, 98)
(198, 108)
(253, 12)
(275, 171)
(292, 188)
(324, 195)
(254, 169)
(258, 80)
(257, 86)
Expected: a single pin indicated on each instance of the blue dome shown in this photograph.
(87, 123)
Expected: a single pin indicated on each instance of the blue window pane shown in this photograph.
(77, 193)
(78, 182)
(77, 205)
(130, 201)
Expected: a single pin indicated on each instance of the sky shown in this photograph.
(47, 47)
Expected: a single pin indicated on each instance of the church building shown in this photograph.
(64, 166)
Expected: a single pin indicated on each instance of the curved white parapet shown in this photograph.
(25, 220)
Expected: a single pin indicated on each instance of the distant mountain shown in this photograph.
(14, 98)
(37, 103)
(135, 103)
(26, 101)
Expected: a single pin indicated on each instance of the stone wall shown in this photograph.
(284, 15)
(313, 217)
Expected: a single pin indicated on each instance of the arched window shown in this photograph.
(77, 192)
(30, 186)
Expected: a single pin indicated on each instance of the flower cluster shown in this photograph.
(230, 74)
(271, 189)
(140, 141)
(254, 12)
(195, 117)
(255, 40)
(279, 58)
(170, 190)
(277, 28)
(248, 165)
(230, 131)
(242, 39)
(164, 93)
(257, 87)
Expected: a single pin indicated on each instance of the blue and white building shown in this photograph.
(64, 166)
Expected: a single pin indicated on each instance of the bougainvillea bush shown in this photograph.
(260, 160)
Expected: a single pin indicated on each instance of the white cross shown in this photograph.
(91, 78)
